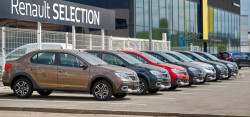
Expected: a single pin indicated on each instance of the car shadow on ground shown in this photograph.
(189, 87)
(59, 98)
(167, 90)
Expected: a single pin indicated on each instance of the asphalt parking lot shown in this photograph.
(225, 97)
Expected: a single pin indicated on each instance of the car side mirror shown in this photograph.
(84, 66)
(122, 65)
(165, 61)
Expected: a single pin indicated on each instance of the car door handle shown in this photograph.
(33, 69)
(61, 71)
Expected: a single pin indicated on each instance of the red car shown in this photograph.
(178, 74)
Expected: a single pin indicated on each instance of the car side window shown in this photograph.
(69, 60)
(139, 58)
(190, 56)
(17, 54)
(47, 58)
(111, 59)
(160, 58)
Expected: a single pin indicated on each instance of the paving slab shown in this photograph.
(222, 98)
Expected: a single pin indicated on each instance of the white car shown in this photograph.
(22, 50)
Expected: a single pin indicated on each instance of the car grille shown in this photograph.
(166, 76)
(185, 73)
(166, 82)
(133, 77)
(186, 80)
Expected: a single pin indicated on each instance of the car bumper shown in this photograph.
(128, 88)
(233, 72)
(179, 81)
(210, 77)
(223, 75)
(164, 84)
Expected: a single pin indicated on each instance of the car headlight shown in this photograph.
(219, 67)
(176, 71)
(206, 67)
(193, 69)
(122, 75)
(230, 66)
(156, 73)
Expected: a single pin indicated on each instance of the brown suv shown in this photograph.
(67, 70)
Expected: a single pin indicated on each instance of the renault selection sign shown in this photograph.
(58, 12)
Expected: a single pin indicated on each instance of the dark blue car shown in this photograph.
(240, 58)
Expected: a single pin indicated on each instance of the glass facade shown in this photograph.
(182, 21)
(224, 32)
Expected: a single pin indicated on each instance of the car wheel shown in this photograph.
(44, 92)
(102, 90)
(22, 88)
(120, 95)
(153, 90)
(239, 67)
(173, 87)
(190, 84)
(143, 87)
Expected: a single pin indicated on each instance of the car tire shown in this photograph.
(102, 90)
(190, 84)
(120, 95)
(239, 67)
(173, 87)
(44, 92)
(22, 88)
(143, 86)
(153, 90)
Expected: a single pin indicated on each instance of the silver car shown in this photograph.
(208, 72)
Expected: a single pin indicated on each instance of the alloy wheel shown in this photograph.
(22, 88)
(101, 91)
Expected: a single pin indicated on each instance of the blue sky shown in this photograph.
(245, 10)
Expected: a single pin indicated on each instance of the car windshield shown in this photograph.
(170, 58)
(152, 58)
(240, 54)
(211, 57)
(129, 58)
(183, 57)
(199, 57)
(92, 59)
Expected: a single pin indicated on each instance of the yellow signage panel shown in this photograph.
(205, 22)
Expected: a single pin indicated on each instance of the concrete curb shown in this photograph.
(78, 111)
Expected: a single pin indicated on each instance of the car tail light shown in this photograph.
(228, 58)
(7, 66)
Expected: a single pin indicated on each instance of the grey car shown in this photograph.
(208, 71)
(221, 69)
(195, 75)
(152, 78)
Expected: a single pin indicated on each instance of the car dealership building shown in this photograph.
(213, 25)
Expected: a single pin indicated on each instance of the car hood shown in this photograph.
(225, 62)
(171, 66)
(118, 69)
(151, 67)
(215, 63)
(187, 64)
(202, 64)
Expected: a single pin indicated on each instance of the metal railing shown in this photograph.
(16, 42)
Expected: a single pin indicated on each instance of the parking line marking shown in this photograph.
(110, 103)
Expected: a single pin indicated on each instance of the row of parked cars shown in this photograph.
(111, 73)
